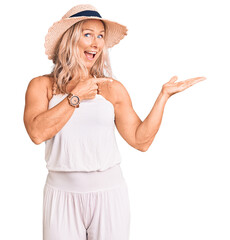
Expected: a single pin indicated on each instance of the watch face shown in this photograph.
(74, 100)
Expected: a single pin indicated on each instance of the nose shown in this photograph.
(94, 42)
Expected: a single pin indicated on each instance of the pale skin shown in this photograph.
(42, 123)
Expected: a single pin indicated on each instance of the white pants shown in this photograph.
(86, 205)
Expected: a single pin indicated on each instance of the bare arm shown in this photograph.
(148, 129)
(126, 119)
(140, 134)
(42, 123)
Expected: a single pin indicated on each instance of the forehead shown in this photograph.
(93, 24)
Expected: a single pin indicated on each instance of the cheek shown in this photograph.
(101, 46)
(83, 43)
(102, 43)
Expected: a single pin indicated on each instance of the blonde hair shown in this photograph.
(68, 64)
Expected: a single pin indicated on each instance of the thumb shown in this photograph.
(173, 79)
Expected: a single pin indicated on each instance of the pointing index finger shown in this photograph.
(101, 80)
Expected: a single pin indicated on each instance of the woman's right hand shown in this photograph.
(87, 89)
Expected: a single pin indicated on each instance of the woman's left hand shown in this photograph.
(171, 87)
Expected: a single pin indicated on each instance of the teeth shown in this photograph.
(92, 52)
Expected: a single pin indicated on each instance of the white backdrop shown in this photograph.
(179, 188)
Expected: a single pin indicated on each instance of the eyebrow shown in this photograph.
(92, 30)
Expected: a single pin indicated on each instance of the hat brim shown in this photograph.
(115, 33)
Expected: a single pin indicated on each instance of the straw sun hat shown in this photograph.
(114, 31)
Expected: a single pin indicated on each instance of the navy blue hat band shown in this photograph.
(87, 13)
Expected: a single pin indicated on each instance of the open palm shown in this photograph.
(171, 87)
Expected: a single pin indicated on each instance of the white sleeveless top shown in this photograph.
(87, 141)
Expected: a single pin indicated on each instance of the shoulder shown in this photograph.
(42, 83)
(119, 91)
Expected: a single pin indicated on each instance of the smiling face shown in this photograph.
(91, 42)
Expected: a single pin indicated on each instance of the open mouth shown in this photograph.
(90, 55)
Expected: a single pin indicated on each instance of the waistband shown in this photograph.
(86, 181)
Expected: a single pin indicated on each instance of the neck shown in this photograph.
(79, 78)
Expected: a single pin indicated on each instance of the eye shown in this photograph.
(101, 36)
(86, 34)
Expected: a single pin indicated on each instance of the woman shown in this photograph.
(74, 111)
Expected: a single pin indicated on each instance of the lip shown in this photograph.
(89, 58)
(90, 51)
(93, 57)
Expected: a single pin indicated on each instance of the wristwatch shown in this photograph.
(74, 100)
